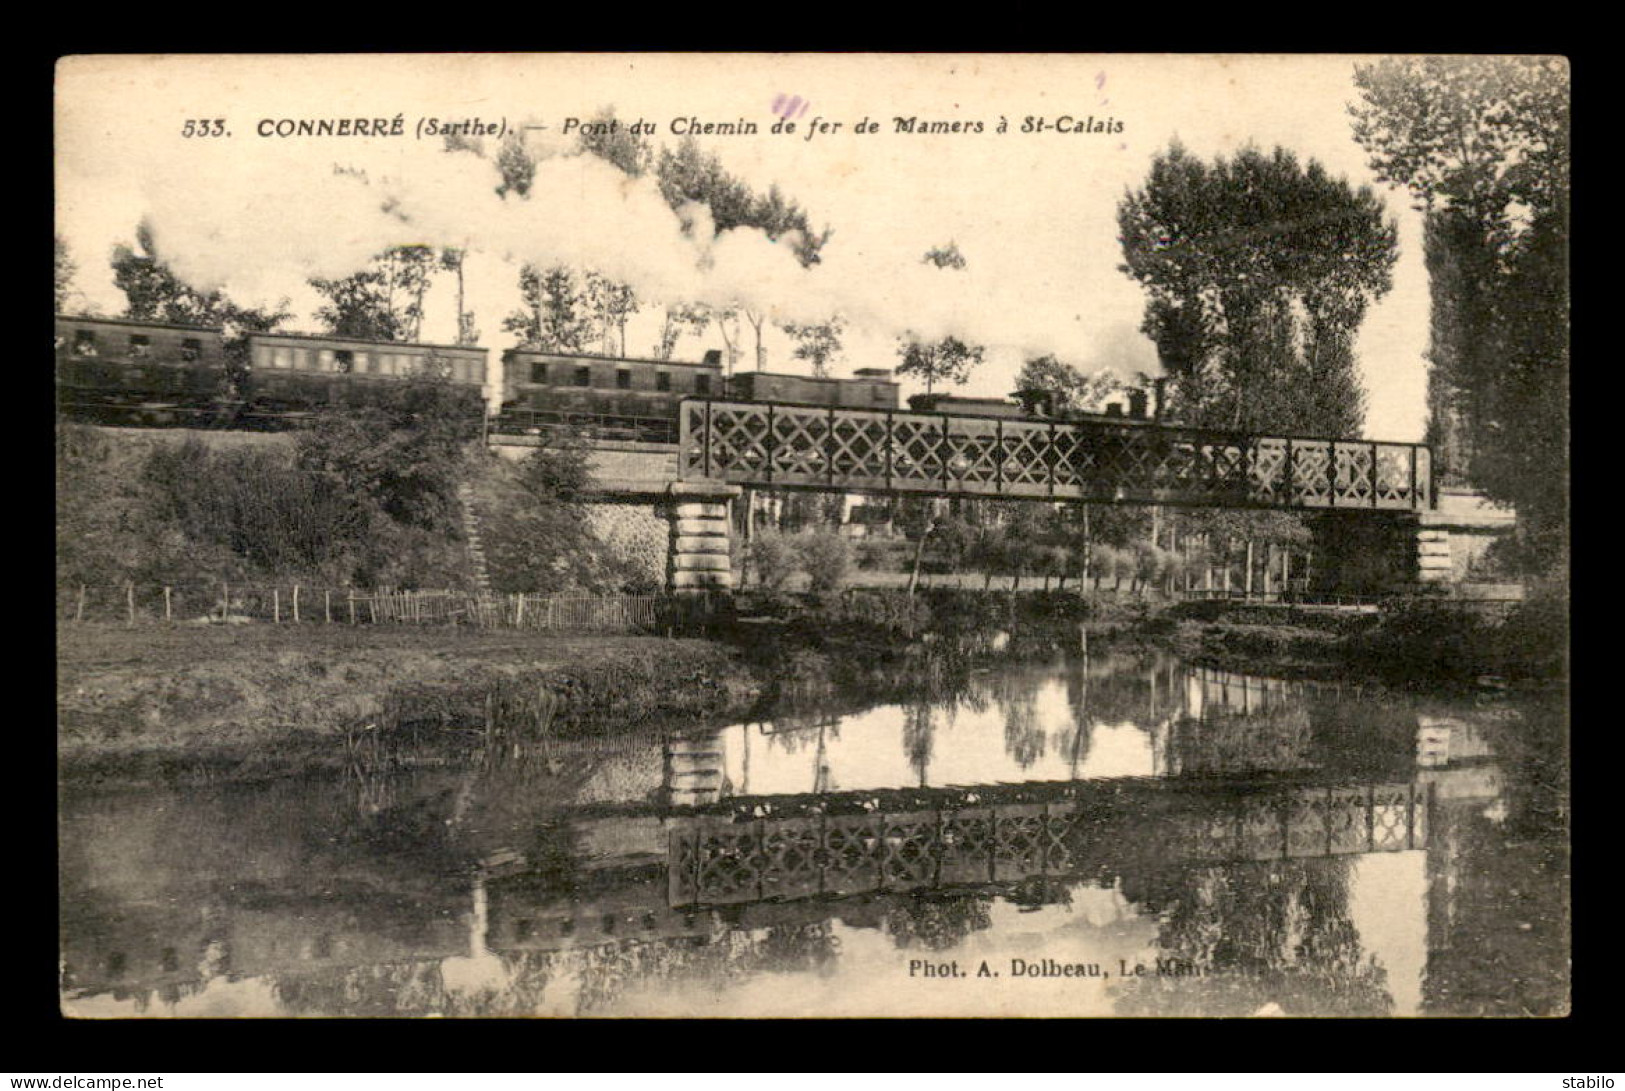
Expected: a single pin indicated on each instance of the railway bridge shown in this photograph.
(1376, 499)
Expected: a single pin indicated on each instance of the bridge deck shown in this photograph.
(943, 454)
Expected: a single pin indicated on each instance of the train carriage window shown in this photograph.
(344, 361)
(84, 343)
(191, 349)
(702, 383)
(324, 359)
(623, 379)
(140, 346)
(284, 359)
(662, 380)
(301, 359)
(538, 371)
(583, 376)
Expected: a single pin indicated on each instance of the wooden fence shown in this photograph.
(296, 604)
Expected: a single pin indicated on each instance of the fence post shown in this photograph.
(225, 600)
(129, 600)
(327, 604)
(519, 616)
(276, 606)
(352, 606)
(166, 603)
(79, 611)
(296, 604)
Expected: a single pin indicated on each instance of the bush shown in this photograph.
(826, 557)
(774, 556)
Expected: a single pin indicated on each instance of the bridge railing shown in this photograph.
(949, 454)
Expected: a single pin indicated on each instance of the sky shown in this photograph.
(1033, 213)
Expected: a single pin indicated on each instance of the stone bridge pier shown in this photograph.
(1369, 553)
(701, 520)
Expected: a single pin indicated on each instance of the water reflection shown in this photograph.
(1185, 841)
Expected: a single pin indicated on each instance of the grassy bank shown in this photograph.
(255, 700)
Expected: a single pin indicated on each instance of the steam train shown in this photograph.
(121, 371)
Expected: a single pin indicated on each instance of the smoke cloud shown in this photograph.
(287, 218)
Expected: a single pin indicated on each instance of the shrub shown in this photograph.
(826, 557)
(774, 556)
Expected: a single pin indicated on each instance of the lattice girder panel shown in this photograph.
(917, 452)
(800, 449)
(1354, 474)
(1391, 818)
(971, 448)
(1061, 838)
(1261, 834)
(965, 851)
(1266, 470)
(792, 851)
(693, 439)
(730, 862)
(1308, 832)
(739, 440)
(909, 844)
(1018, 842)
(859, 444)
(852, 853)
(1393, 485)
(1073, 462)
(1348, 815)
(1029, 454)
(1311, 474)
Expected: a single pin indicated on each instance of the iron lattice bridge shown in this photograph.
(1059, 831)
(868, 450)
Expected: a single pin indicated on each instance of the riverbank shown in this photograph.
(158, 702)
(165, 703)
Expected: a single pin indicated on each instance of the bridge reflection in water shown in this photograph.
(1063, 831)
(1278, 834)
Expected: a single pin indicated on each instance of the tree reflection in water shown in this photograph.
(938, 921)
(1251, 938)
(1017, 698)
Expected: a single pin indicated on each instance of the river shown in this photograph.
(1122, 834)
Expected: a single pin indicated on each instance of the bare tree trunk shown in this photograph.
(919, 554)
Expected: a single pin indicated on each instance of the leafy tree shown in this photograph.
(153, 293)
(1482, 145)
(1068, 387)
(948, 360)
(617, 144)
(818, 343)
(452, 261)
(537, 537)
(687, 176)
(1258, 272)
(65, 268)
(680, 318)
(404, 453)
(611, 303)
(554, 316)
(383, 302)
